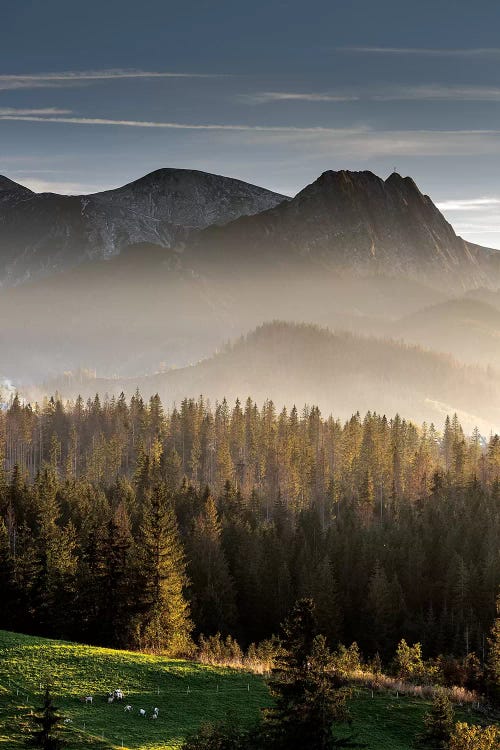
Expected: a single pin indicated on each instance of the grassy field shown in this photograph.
(187, 694)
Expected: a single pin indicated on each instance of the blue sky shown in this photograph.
(95, 94)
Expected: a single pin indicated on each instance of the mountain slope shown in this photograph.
(342, 373)
(44, 233)
(350, 221)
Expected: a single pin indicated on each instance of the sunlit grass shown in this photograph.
(186, 693)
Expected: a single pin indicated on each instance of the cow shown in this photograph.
(142, 712)
(128, 708)
(118, 694)
(111, 697)
(88, 699)
(68, 721)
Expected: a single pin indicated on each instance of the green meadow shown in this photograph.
(187, 694)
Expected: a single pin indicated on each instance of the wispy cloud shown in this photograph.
(263, 97)
(438, 92)
(428, 92)
(179, 125)
(71, 78)
(469, 204)
(425, 51)
(47, 111)
(361, 141)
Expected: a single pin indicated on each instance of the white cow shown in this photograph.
(128, 708)
(88, 699)
(118, 694)
(142, 712)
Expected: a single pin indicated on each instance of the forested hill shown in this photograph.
(341, 372)
(392, 528)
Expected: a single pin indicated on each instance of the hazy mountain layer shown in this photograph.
(43, 233)
(467, 328)
(297, 364)
(127, 315)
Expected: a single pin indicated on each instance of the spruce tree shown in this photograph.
(494, 650)
(309, 696)
(116, 579)
(165, 624)
(438, 724)
(46, 734)
(212, 589)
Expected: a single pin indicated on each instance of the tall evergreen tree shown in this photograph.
(438, 724)
(165, 623)
(213, 603)
(494, 650)
(309, 697)
(46, 734)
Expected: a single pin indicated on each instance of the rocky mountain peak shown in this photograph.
(9, 186)
(354, 222)
(50, 232)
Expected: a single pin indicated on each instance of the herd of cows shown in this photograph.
(117, 695)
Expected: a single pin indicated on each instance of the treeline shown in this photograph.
(127, 526)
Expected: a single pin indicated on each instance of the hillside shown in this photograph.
(340, 372)
(384, 721)
(186, 693)
(40, 234)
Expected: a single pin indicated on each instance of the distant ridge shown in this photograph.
(306, 364)
(44, 233)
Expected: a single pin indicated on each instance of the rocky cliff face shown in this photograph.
(45, 233)
(357, 222)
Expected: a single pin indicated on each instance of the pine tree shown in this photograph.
(494, 650)
(116, 580)
(212, 588)
(48, 735)
(325, 700)
(7, 585)
(165, 624)
(438, 724)
(309, 696)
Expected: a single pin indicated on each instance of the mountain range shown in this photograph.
(163, 272)
(351, 222)
(344, 221)
(45, 233)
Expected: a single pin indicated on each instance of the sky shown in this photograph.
(95, 94)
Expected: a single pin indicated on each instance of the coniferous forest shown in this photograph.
(124, 525)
